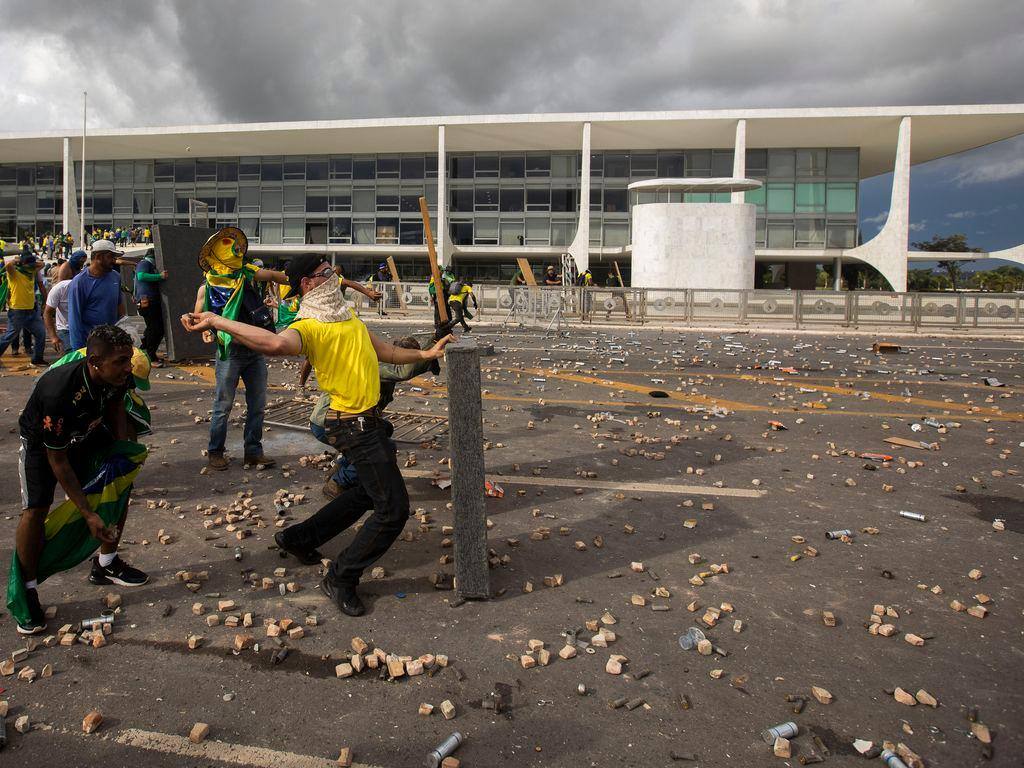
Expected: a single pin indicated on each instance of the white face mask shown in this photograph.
(324, 303)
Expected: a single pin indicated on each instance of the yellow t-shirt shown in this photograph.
(23, 289)
(462, 294)
(344, 360)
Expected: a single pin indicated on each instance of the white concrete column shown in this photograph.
(580, 247)
(441, 229)
(69, 210)
(837, 273)
(887, 251)
(739, 158)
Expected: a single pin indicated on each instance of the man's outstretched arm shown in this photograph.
(283, 344)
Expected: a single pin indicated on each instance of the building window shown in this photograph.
(842, 235)
(271, 171)
(387, 199)
(810, 197)
(616, 165)
(143, 172)
(810, 233)
(564, 167)
(781, 163)
(206, 170)
(562, 232)
(271, 231)
(387, 231)
(485, 231)
(341, 168)
(538, 231)
(486, 166)
(294, 170)
(810, 162)
(412, 168)
(721, 163)
(670, 165)
(294, 231)
(643, 165)
(340, 201)
(511, 232)
(364, 168)
(316, 170)
(616, 234)
(538, 199)
(248, 169)
(512, 200)
(780, 234)
(364, 200)
(698, 162)
(780, 197)
(271, 201)
(842, 197)
(485, 198)
(225, 202)
(615, 201)
(410, 232)
(142, 204)
(316, 203)
(513, 166)
(410, 202)
(462, 167)
(461, 200)
(843, 163)
(364, 231)
(339, 229)
(563, 200)
(388, 168)
(757, 197)
(294, 201)
(538, 165)
(461, 232)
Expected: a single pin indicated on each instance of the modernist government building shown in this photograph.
(697, 199)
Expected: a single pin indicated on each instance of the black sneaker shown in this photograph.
(37, 620)
(118, 572)
(344, 596)
(304, 556)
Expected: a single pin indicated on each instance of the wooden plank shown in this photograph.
(526, 270)
(442, 310)
(625, 299)
(398, 283)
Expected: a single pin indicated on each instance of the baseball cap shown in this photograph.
(106, 245)
(301, 266)
(78, 257)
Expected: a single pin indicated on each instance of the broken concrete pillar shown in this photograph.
(472, 580)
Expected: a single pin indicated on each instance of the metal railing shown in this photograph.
(556, 306)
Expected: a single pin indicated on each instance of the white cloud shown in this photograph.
(877, 220)
(917, 226)
(961, 215)
(995, 170)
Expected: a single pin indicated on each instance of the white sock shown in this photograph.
(31, 584)
(106, 559)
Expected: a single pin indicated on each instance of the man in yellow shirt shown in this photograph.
(23, 277)
(345, 356)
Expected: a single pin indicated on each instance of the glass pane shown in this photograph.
(670, 165)
(486, 231)
(563, 166)
(295, 169)
(412, 168)
(271, 171)
(143, 172)
(364, 232)
(697, 197)
(538, 165)
(341, 167)
(295, 230)
(780, 234)
(616, 165)
(462, 167)
(9, 174)
(410, 232)
(249, 169)
(387, 199)
(251, 227)
(271, 201)
(595, 198)
(757, 162)
(841, 235)
(562, 232)
(410, 201)
(142, 203)
(430, 166)
(843, 162)
(340, 228)
(721, 163)
(316, 203)
(616, 234)
(247, 196)
(538, 199)
(615, 201)
(780, 198)
(512, 200)
(122, 199)
(511, 233)
(316, 170)
(387, 230)
(538, 231)
(755, 196)
(842, 197)
(486, 198)
(461, 200)
(387, 168)
(226, 202)
(810, 162)
(810, 197)
(270, 231)
(294, 199)
(364, 168)
(760, 232)
(513, 166)
(643, 164)
(563, 200)
(462, 232)
(781, 163)
(103, 174)
(486, 166)
(165, 198)
(124, 172)
(810, 232)
(698, 162)
(364, 200)
(180, 202)
(341, 201)
(206, 170)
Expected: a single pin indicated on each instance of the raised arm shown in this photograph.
(357, 286)
(389, 353)
(270, 276)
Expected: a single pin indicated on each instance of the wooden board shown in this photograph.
(398, 283)
(442, 310)
(526, 270)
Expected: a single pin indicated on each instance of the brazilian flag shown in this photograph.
(224, 295)
(68, 541)
(5, 288)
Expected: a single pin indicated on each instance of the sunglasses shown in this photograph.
(325, 272)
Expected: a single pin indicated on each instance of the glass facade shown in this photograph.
(494, 198)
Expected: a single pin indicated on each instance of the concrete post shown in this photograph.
(69, 208)
(837, 273)
(739, 158)
(441, 230)
(465, 419)
(580, 247)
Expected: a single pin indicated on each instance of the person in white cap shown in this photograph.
(94, 297)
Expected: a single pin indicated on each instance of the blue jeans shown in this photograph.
(25, 319)
(65, 340)
(251, 368)
(344, 470)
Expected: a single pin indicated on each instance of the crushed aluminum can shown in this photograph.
(444, 749)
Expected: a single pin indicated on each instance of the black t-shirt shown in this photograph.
(65, 406)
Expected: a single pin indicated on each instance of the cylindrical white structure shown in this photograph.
(693, 245)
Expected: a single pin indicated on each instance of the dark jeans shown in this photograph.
(457, 314)
(154, 333)
(25, 319)
(380, 488)
(344, 473)
(251, 368)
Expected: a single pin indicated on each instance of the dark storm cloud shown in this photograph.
(183, 62)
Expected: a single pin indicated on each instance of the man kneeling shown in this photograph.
(345, 356)
(74, 414)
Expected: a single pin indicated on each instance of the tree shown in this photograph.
(955, 243)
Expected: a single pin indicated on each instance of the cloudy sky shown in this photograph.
(163, 62)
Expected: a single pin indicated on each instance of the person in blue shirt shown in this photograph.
(94, 298)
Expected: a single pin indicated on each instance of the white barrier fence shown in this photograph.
(555, 306)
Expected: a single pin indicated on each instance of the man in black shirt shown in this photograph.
(73, 412)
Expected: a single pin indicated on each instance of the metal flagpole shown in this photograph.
(81, 222)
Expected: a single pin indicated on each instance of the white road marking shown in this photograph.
(236, 754)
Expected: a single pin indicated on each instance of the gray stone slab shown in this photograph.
(177, 251)
(462, 360)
